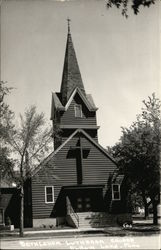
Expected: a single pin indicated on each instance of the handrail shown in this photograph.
(70, 210)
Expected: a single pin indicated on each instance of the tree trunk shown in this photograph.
(155, 214)
(146, 206)
(146, 214)
(22, 212)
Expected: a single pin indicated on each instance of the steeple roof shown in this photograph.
(71, 78)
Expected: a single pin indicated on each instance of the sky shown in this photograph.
(119, 58)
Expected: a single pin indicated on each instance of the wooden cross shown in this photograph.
(80, 153)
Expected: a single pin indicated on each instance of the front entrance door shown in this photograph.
(83, 204)
(85, 199)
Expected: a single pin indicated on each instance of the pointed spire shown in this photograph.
(68, 20)
(71, 78)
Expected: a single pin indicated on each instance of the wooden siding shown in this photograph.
(68, 117)
(61, 171)
(67, 132)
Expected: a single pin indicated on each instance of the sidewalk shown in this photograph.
(136, 230)
(65, 232)
(140, 227)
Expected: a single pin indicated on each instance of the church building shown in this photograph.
(78, 183)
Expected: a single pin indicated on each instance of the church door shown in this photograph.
(85, 199)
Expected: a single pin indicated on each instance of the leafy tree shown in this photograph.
(6, 166)
(138, 154)
(29, 140)
(6, 117)
(134, 4)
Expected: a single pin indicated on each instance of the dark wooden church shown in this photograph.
(78, 184)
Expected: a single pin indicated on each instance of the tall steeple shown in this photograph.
(71, 78)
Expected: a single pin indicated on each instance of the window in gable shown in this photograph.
(49, 194)
(78, 110)
(116, 192)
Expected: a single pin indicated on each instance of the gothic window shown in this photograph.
(49, 194)
(78, 110)
(116, 192)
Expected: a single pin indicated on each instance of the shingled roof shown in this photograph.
(71, 74)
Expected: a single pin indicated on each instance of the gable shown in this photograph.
(87, 99)
(70, 142)
(68, 117)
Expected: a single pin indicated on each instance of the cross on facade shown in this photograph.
(79, 152)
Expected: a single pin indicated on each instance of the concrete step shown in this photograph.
(93, 219)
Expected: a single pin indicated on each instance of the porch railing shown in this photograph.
(70, 211)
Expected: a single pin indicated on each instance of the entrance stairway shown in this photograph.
(87, 219)
(92, 219)
(95, 219)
